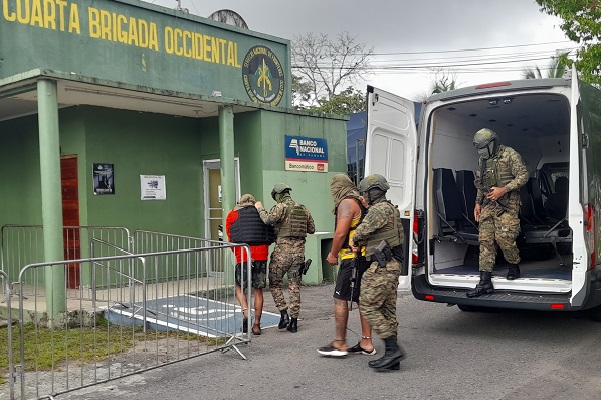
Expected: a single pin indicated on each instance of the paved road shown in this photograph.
(452, 355)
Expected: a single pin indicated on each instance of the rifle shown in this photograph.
(354, 269)
(502, 203)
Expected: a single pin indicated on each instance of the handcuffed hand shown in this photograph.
(332, 259)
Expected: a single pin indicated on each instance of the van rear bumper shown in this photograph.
(422, 290)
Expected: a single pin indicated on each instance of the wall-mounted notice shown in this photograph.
(153, 187)
(103, 178)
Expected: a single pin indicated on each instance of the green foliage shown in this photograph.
(582, 24)
(443, 81)
(557, 67)
(348, 101)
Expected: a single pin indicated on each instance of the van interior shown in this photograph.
(537, 125)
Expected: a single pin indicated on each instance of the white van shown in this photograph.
(555, 124)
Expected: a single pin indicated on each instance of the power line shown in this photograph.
(475, 48)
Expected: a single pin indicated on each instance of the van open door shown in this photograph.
(391, 151)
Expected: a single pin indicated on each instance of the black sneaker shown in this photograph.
(331, 351)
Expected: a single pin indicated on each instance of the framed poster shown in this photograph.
(153, 187)
(103, 178)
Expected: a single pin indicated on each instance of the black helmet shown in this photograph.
(373, 181)
(279, 188)
(486, 142)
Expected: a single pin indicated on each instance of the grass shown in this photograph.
(45, 348)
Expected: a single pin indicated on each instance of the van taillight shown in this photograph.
(493, 85)
(416, 255)
(590, 238)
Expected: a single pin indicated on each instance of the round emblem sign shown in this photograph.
(263, 76)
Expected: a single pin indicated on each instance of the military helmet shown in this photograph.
(373, 181)
(486, 142)
(279, 188)
(483, 137)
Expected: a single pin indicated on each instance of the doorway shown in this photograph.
(212, 196)
(70, 206)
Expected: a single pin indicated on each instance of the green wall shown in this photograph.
(20, 162)
(145, 144)
(309, 188)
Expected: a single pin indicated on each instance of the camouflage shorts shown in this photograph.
(258, 274)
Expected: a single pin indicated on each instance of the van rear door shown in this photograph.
(391, 151)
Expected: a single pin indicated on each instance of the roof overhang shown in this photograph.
(18, 97)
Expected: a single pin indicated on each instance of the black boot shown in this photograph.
(391, 358)
(292, 325)
(514, 272)
(283, 319)
(483, 287)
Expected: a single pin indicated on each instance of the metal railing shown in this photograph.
(24, 244)
(7, 295)
(137, 319)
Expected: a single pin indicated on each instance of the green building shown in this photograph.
(123, 113)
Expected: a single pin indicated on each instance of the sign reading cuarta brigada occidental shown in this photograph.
(306, 154)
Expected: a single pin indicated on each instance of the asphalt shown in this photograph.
(279, 364)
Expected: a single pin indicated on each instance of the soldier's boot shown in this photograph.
(292, 327)
(514, 272)
(483, 287)
(283, 319)
(393, 355)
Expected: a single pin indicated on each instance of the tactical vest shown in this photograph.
(392, 232)
(295, 221)
(496, 173)
(249, 228)
(347, 240)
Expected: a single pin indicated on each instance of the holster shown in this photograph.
(382, 257)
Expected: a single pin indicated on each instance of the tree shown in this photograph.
(323, 66)
(581, 23)
(349, 101)
(557, 67)
(443, 81)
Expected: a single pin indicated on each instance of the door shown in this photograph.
(391, 151)
(70, 202)
(212, 196)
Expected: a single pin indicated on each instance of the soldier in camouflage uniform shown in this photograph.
(292, 221)
(377, 301)
(501, 173)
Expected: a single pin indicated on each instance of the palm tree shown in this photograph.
(556, 68)
(443, 81)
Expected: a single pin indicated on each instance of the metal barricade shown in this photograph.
(24, 244)
(7, 295)
(150, 242)
(148, 310)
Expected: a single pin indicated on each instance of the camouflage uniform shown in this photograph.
(377, 301)
(287, 256)
(498, 223)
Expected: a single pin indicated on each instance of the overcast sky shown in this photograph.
(497, 39)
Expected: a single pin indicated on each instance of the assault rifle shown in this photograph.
(354, 268)
(502, 203)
